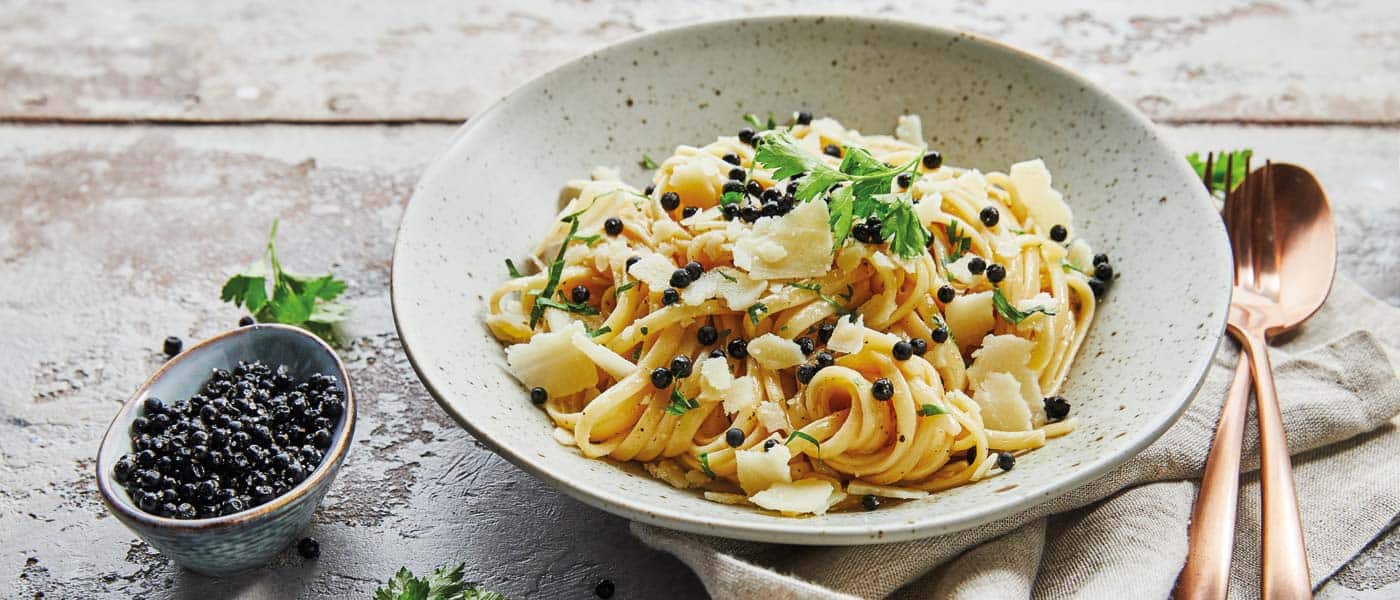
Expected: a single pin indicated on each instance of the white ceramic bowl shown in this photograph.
(495, 190)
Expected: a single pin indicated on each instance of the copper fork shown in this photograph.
(1284, 242)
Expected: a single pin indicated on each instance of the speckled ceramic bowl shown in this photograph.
(985, 105)
(240, 541)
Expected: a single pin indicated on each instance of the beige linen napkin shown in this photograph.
(1124, 535)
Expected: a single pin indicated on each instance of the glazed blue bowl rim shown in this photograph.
(117, 434)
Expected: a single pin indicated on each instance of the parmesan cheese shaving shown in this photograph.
(808, 496)
(550, 360)
(794, 245)
(759, 469)
(848, 337)
(774, 352)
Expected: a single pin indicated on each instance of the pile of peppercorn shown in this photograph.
(247, 437)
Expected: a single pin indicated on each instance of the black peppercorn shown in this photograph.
(632, 260)
(612, 226)
(1058, 233)
(832, 150)
(731, 212)
(670, 201)
(996, 273)
(933, 160)
(939, 335)
(1096, 285)
(902, 350)
(919, 345)
(538, 395)
(976, 265)
(605, 589)
(738, 174)
(989, 216)
(1100, 258)
(824, 332)
(650, 189)
(805, 373)
(172, 346)
(680, 278)
(1056, 407)
(670, 296)
(825, 359)
(946, 294)
(734, 437)
(882, 389)
(681, 366)
(804, 118)
(309, 548)
(769, 444)
(869, 502)
(707, 335)
(732, 159)
(1104, 271)
(746, 135)
(245, 321)
(694, 270)
(579, 294)
(738, 348)
(806, 345)
(689, 211)
(661, 377)
(1006, 460)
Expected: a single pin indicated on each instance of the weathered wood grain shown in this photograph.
(112, 238)
(1184, 61)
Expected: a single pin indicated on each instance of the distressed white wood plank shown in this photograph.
(112, 238)
(1189, 60)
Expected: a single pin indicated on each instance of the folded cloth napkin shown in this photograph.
(1124, 535)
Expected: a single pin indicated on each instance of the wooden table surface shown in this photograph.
(145, 147)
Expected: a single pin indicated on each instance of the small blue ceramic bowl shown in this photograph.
(240, 541)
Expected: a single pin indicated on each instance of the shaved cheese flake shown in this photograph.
(970, 317)
(848, 337)
(606, 359)
(739, 290)
(1004, 353)
(959, 271)
(1003, 409)
(1039, 301)
(702, 289)
(654, 270)
(809, 496)
(715, 378)
(774, 352)
(794, 245)
(759, 469)
(550, 360)
(1081, 256)
(742, 395)
(861, 488)
(909, 129)
(772, 417)
(1045, 206)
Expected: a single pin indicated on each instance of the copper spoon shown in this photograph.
(1285, 248)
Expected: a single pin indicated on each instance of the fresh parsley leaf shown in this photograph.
(705, 465)
(842, 216)
(731, 197)
(781, 153)
(514, 272)
(817, 289)
(756, 312)
(726, 276)
(929, 410)
(1235, 159)
(599, 331)
(307, 301)
(680, 404)
(906, 233)
(442, 584)
(1011, 313)
(647, 162)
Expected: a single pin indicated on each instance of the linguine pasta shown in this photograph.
(805, 318)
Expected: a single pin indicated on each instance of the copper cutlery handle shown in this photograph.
(1285, 560)
(1212, 531)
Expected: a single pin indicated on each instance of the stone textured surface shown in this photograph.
(112, 237)
(1329, 60)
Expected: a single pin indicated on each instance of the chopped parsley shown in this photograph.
(647, 162)
(599, 331)
(556, 268)
(705, 465)
(1069, 266)
(726, 276)
(680, 404)
(756, 312)
(958, 244)
(928, 410)
(804, 435)
(514, 272)
(617, 291)
(573, 307)
(817, 289)
(1011, 313)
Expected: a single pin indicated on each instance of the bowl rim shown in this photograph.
(796, 530)
(329, 463)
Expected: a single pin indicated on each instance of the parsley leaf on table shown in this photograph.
(442, 584)
(307, 301)
(647, 162)
(1236, 159)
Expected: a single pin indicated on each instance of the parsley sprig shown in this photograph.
(756, 312)
(705, 465)
(929, 410)
(1011, 313)
(858, 188)
(1236, 159)
(307, 301)
(442, 584)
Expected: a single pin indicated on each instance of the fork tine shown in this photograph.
(1209, 170)
(1229, 170)
(1265, 253)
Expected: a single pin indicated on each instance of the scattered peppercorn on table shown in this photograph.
(145, 152)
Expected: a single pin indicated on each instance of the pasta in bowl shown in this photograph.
(495, 192)
(803, 318)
